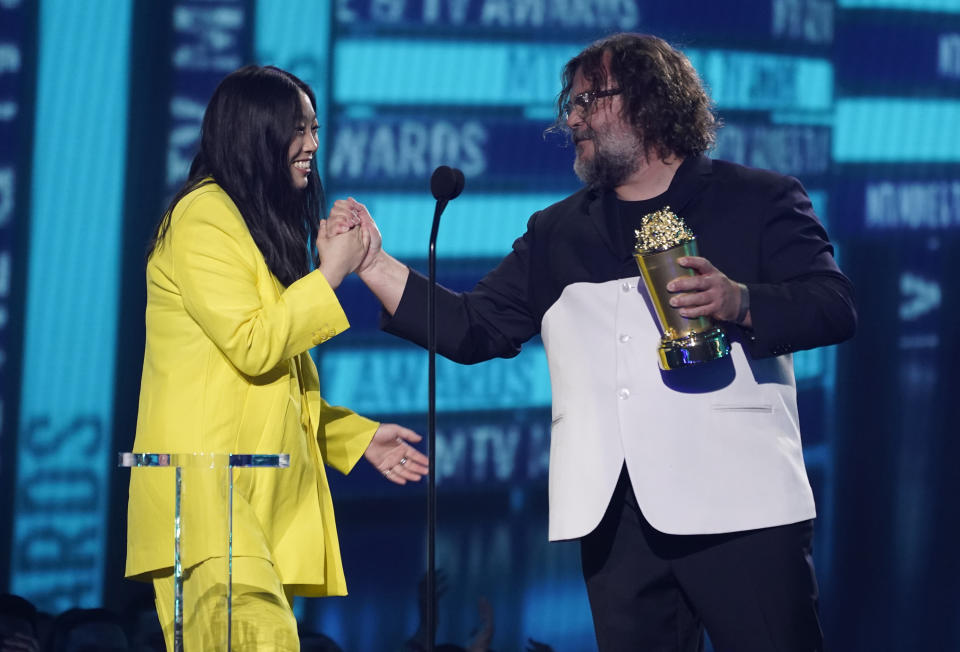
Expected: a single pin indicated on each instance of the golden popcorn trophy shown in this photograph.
(661, 239)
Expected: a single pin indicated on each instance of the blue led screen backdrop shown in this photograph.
(858, 99)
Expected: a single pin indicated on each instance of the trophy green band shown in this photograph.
(685, 341)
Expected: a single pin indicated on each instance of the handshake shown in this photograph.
(347, 241)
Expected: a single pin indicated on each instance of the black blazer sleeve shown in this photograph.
(802, 300)
(491, 321)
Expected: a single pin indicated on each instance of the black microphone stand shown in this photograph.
(432, 429)
(446, 184)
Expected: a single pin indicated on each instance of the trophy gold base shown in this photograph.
(693, 348)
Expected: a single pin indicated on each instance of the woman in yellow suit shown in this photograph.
(232, 310)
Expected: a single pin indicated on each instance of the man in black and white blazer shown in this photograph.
(686, 488)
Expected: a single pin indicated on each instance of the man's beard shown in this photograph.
(616, 155)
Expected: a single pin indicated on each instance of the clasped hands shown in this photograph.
(342, 247)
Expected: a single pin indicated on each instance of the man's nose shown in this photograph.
(574, 117)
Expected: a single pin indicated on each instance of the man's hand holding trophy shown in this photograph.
(662, 239)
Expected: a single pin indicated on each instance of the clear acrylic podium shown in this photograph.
(203, 494)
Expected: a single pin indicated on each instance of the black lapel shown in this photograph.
(690, 179)
(598, 207)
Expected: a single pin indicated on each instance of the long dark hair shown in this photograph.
(663, 97)
(244, 142)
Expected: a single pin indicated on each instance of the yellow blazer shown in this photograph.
(226, 369)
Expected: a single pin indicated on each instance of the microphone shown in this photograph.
(446, 183)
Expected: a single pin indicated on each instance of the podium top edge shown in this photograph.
(204, 460)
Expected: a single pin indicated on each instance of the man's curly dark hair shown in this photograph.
(663, 97)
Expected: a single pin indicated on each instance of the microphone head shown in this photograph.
(446, 183)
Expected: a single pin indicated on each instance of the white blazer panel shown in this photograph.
(715, 448)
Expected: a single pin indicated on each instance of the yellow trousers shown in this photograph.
(261, 607)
